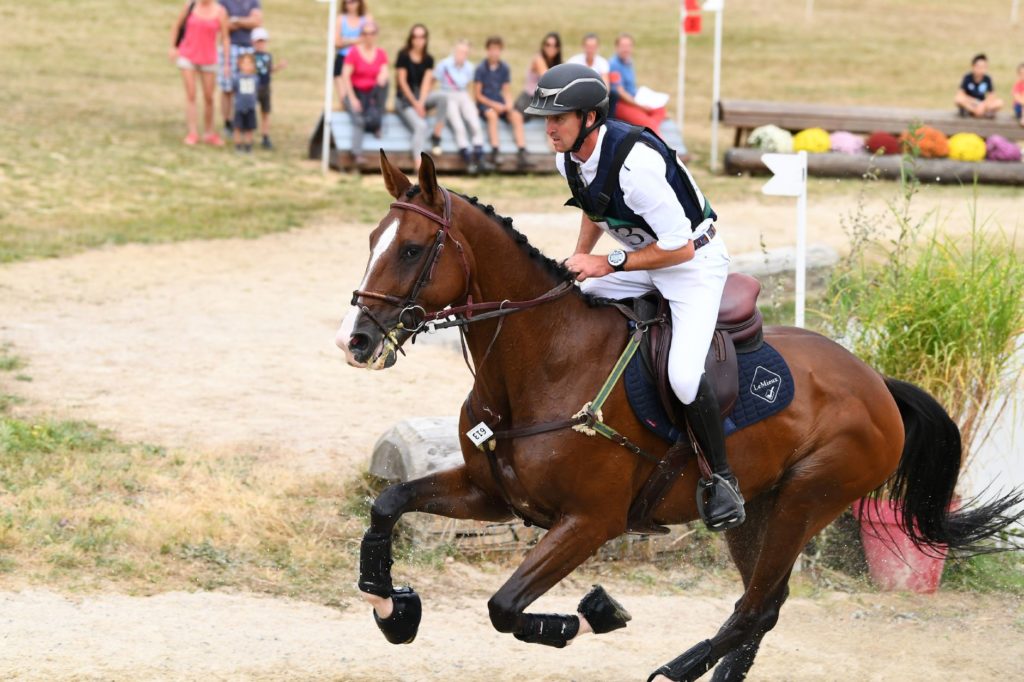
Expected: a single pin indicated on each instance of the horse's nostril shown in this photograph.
(358, 342)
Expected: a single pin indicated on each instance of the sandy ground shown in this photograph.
(228, 345)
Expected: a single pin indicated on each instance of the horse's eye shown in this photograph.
(411, 252)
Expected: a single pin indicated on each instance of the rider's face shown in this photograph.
(563, 129)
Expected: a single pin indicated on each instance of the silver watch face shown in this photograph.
(616, 258)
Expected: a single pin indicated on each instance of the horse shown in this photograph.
(540, 350)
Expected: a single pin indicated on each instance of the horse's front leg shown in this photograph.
(446, 493)
(567, 545)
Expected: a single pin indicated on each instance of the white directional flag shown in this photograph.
(790, 174)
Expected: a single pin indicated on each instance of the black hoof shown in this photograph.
(602, 612)
(403, 623)
(689, 666)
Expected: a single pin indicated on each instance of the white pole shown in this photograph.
(801, 243)
(716, 86)
(810, 9)
(681, 87)
(332, 18)
(1014, 11)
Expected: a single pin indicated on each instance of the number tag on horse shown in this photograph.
(480, 434)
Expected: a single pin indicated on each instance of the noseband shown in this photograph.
(462, 315)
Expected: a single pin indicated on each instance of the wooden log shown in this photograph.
(835, 165)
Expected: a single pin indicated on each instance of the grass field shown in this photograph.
(91, 153)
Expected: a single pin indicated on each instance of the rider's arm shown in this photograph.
(589, 234)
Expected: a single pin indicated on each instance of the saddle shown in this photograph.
(739, 330)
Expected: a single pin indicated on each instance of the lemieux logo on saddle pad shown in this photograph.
(765, 384)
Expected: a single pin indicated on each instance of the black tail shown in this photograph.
(923, 484)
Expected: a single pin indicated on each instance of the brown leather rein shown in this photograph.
(450, 316)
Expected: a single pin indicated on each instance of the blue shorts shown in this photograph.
(1017, 110)
(228, 85)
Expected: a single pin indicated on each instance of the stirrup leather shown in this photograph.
(721, 486)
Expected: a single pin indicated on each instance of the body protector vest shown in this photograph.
(603, 200)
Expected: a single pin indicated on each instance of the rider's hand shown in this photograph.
(586, 265)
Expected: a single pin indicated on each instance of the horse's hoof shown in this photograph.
(403, 623)
(602, 612)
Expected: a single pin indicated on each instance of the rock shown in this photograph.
(413, 448)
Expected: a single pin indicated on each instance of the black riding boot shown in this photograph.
(719, 500)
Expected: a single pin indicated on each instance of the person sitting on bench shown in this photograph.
(976, 96)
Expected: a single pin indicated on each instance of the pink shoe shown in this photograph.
(191, 139)
(213, 139)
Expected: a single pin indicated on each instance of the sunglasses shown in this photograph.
(549, 44)
(419, 35)
(369, 33)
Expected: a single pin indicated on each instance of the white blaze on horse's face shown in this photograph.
(348, 325)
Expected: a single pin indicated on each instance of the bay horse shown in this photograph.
(437, 256)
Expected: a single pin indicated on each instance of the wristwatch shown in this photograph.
(617, 259)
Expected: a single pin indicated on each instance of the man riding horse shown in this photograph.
(643, 197)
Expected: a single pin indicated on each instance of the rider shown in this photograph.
(643, 197)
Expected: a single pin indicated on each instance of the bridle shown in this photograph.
(448, 316)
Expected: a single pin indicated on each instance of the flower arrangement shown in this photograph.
(929, 142)
(812, 140)
(771, 138)
(847, 143)
(966, 147)
(998, 148)
(882, 143)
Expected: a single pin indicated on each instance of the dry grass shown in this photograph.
(90, 150)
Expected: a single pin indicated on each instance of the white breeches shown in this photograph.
(461, 112)
(694, 292)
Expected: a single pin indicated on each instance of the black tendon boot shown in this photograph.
(718, 500)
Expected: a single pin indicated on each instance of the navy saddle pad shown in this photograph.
(766, 387)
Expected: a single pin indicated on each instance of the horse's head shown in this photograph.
(406, 277)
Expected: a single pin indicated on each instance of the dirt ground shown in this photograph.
(228, 345)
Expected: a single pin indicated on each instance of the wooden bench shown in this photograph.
(835, 165)
(396, 138)
(745, 115)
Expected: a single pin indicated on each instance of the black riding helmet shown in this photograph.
(571, 87)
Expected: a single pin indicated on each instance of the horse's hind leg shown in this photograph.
(447, 493)
(787, 526)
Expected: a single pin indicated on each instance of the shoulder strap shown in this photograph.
(611, 181)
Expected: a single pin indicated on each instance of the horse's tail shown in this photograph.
(923, 486)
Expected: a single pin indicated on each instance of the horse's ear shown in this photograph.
(428, 179)
(394, 179)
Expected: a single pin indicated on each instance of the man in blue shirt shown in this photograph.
(976, 95)
(491, 85)
(243, 17)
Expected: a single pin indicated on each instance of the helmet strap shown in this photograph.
(586, 130)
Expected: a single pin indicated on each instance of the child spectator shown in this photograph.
(590, 58)
(624, 88)
(265, 67)
(243, 17)
(550, 55)
(414, 79)
(365, 87)
(455, 74)
(492, 79)
(246, 85)
(976, 96)
(352, 14)
(194, 37)
(1018, 95)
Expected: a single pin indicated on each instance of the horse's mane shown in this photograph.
(553, 267)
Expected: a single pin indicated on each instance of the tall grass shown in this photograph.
(942, 312)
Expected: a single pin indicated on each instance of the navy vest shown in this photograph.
(603, 201)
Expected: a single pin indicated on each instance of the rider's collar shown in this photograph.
(588, 168)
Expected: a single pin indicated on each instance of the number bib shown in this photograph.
(635, 237)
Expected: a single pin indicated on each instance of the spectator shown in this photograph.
(351, 17)
(455, 74)
(245, 87)
(265, 68)
(243, 17)
(590, 58)
(976, 95)
(623, 89)
(492, 79)
(550, 55)
(1018, 95)
(414, 80)
(365, 87)
(199, 26)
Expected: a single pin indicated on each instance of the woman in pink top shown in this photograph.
(197, 53)
(364, 87)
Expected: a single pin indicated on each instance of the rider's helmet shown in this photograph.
(571, 87)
